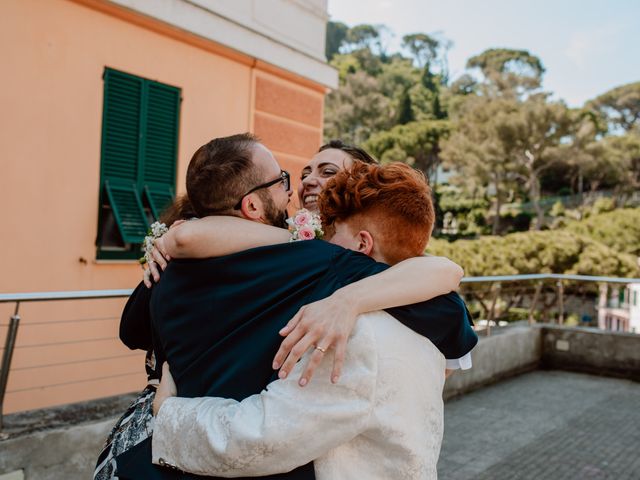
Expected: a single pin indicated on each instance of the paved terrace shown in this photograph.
(518, 414)
(544, 425)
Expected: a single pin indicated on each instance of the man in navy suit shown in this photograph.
(217, 320)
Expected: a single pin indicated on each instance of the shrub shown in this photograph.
(619, 229)
(557, 210)
(551, 251)
(602, 205)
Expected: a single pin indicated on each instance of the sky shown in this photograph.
(586, 46)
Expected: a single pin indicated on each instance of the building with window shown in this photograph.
(103, 104)
(619, 310)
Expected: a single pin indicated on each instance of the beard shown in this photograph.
(272, 215)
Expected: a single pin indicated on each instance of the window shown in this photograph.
(635, 298)
(140, 121)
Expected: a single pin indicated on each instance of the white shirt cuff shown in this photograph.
(463, 363)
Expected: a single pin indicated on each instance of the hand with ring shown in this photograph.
(324, 324)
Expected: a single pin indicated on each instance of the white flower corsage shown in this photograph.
(305, 225)
(156, 230)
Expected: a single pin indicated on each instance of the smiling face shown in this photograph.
(316, 174)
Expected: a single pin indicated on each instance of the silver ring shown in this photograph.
(321, 349)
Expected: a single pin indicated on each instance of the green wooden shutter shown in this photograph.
(123, 117)
(159, 197)
(160, 145)
(121, 126)
(127, 210)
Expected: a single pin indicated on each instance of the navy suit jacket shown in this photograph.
(216, 320)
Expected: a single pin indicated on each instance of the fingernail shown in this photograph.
(275, 365)
(303, 382)
(282, 374)
(335, 379)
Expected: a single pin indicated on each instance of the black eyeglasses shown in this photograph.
(284, 177)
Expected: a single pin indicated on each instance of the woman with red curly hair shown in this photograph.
(384, 211)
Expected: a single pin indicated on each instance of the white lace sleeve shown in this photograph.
(284, 427)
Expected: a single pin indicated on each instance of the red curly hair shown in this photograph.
(392, 202)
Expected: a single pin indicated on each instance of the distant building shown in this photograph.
(443, 175)
(103, 104)
(620, 309)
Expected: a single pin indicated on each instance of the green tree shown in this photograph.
(620, 106)
(398, 76)
(366, 36)
(581, 156)
(618, 229)
(346, 64)
(508, 72)
(335, 38)
(423, 48)
(551, 251)
(357, 109)
(532, 133)
(476, 151)
(428, 51)
(405, 110)
(416, 143)
(464, 85)
(622, 154)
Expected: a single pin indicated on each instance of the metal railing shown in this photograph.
(14, 323)
(535, 288)
(468, 284)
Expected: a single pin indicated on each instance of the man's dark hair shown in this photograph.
(220, 172)
(354, 152)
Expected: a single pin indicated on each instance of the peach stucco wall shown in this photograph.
(53, 55)
(288, 118)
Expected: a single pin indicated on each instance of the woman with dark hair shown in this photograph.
(135, 425)
(331, 158)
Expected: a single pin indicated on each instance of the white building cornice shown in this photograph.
(289, 34)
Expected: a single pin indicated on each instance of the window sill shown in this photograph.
(116, 262)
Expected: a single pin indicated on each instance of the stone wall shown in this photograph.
(516, 349)
(510, 351)
(592, 351)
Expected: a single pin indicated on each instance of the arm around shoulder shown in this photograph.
(220, 235)
(135, 322)
(274, 431)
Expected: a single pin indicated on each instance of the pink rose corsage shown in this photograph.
(305, 225)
